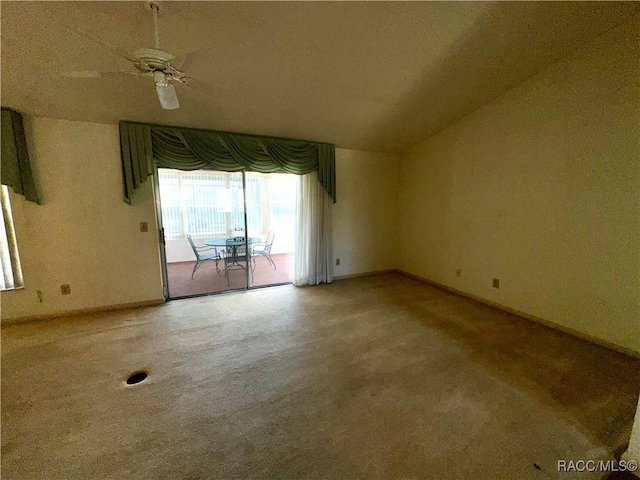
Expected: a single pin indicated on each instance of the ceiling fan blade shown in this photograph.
(200, 86)
(94, 39)
(206, 93)
(96, 74)
(183, 61)
(83, 74)
(167, 96)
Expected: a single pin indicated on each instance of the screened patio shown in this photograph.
(211, 205)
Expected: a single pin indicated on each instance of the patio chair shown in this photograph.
(203, 254)
(264, 249)
(235, 254)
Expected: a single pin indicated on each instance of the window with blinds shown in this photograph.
(210, 204)
(9, 257)
(196, 203)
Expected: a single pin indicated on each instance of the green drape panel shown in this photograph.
(16, 168)
(137, 156)
(193, 149)
(327, 168)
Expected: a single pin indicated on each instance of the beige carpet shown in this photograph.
(378, 377)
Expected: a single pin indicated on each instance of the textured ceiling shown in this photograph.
(368, 75)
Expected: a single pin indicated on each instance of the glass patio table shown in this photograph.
(234, 243)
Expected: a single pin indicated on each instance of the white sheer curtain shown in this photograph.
(314, 233)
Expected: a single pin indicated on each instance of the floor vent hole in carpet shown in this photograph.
(136, 378)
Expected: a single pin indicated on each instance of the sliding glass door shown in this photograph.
(271, 203)
(211, 244)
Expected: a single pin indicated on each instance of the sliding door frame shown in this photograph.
(161, 240)
(246, 230)
(162, 244)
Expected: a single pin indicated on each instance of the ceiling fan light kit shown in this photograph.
(166, 92)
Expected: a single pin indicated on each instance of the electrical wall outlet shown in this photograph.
(65, 289)
(458, 273)
(40, 295)
(144, 227)
(337, 261)
(496, 283)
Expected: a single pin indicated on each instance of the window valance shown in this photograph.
(16, 168)
(193, 149)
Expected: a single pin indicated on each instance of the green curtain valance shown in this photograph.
(193, 149)
(16, 168)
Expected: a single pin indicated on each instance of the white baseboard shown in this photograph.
(82, 311)
(546, 323)
(364, 274)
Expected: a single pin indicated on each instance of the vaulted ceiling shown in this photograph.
(364, 75)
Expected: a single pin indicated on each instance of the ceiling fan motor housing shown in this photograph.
(151, 59)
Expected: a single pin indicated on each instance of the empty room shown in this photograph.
(337, 240)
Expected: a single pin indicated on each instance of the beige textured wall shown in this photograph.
(365, 216)
(540, 188)
(86, 236)
(83, 234)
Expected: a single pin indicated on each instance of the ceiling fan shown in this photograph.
(151, 62)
